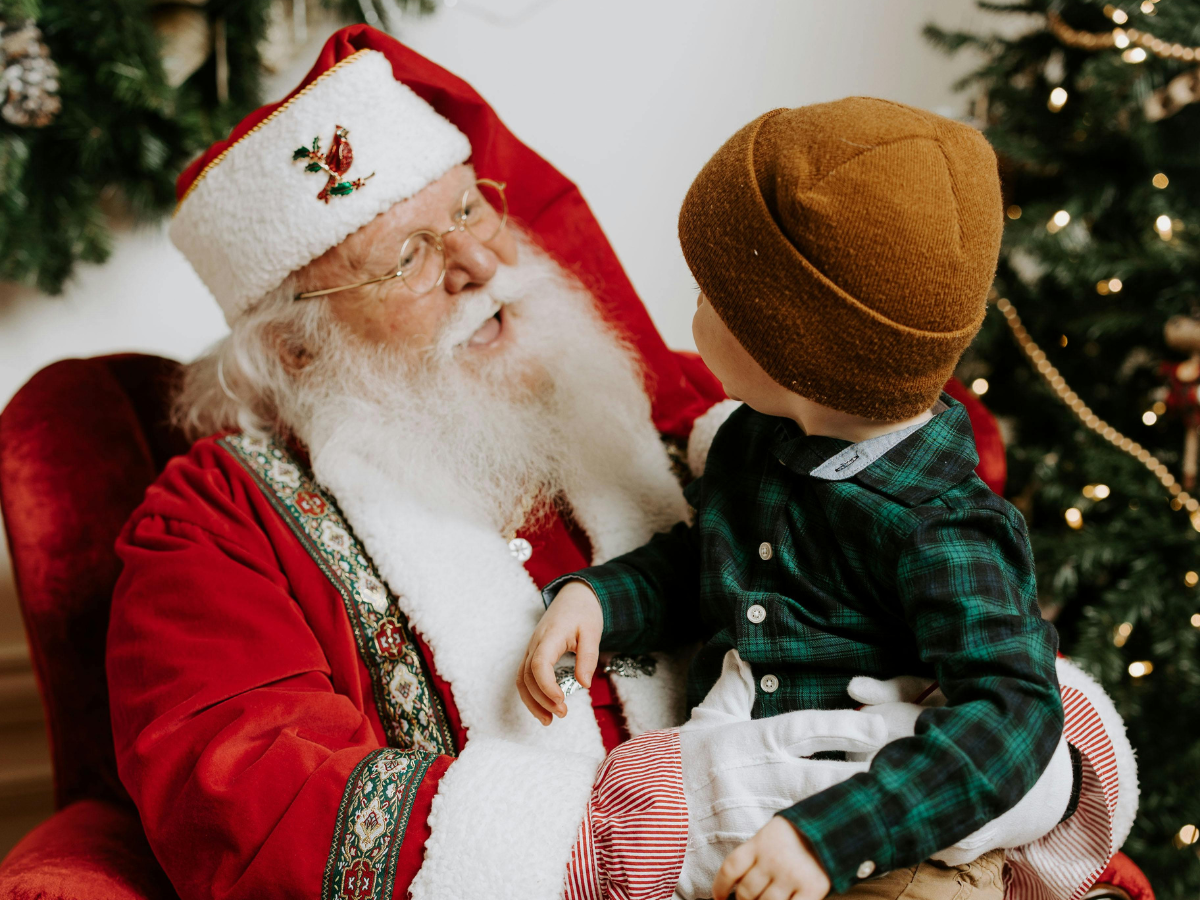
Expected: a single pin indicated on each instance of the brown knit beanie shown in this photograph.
(849, 247)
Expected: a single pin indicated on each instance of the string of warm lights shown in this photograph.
(1180, 499)
(1135, 42)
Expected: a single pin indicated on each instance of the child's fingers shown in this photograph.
(587, 655)
(779, 890)
(753, 884)
(539, 675)
(532, 705)
(549, 704)
(736, 864)
(528, 688)
(541, 668)
(538, 695)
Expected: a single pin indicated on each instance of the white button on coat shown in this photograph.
(520, 549)
(756, 613)
(765, 551)
(866, 869)
(769, 683)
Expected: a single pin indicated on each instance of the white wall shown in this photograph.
(627, 97)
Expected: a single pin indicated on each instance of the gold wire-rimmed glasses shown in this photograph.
(482, 211)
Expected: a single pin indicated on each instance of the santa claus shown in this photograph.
(438, 393)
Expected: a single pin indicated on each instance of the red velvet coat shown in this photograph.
(240, 702)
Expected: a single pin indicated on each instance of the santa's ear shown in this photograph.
(292, 351)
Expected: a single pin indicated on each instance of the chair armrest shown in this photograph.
(91, 850)
(1125, 877)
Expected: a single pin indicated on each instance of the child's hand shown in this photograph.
(775, 864)
(574, 622)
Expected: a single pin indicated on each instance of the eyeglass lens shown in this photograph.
(482, 210)
(421, 262)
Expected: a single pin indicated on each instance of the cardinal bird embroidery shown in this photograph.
(335, 164)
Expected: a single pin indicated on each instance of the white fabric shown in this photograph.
(254, 217)
(1070, 675)
(652, 704)
(476, 606)
(526, 806)
(1064, 864)
(704, 429)
(737, 773)
(1034, 815)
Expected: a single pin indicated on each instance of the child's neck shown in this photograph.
(820, 420)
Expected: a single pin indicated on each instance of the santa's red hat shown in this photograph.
(299, 177)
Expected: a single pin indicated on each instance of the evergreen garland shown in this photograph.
(122, 134)
(1119, 575)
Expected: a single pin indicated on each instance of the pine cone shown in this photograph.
(28, 77)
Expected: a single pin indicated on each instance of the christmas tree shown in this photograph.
(1091, 111)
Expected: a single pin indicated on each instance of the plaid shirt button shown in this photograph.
(769, 683)
(756, 613)
(765, 551)
(866, 869)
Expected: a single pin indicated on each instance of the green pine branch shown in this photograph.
(123, 134)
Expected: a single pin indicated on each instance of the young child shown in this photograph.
(843, 252)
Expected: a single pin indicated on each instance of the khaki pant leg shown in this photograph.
(982, 879)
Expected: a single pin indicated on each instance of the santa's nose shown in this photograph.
(468, 262)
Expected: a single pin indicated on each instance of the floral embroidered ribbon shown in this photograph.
(409, 707)
(371, 822)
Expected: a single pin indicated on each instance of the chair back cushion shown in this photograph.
(79, 445)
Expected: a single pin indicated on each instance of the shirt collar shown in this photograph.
(912, 465)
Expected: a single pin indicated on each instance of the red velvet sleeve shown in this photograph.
(242, 732)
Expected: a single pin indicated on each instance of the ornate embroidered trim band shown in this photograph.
(371, 822)
(409, 707)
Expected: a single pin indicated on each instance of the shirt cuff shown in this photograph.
(622, 622)
(550, 591)
(849, 838)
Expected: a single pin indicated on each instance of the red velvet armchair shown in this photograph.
(79, 445)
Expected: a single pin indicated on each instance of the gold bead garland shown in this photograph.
(1180, 499)
(1118, 37)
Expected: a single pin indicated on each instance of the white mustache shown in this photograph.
(468, 318)
(476, 308)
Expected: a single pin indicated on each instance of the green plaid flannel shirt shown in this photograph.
(909, 566)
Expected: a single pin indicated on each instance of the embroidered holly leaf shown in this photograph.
(300, 153)
(313, 167)
(316, 147)
(342, 188)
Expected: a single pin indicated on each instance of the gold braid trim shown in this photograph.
(1180, 499)
(278, 111)
(1102, 40)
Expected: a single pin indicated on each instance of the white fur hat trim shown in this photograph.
(252, 216)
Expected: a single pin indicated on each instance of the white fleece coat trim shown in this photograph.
(515, 839)
(1128, 792)
(703, 432)
(254, 217)
(476, 607)
(652, 704)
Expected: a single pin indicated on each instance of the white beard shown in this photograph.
(429, 460)
(495, 437)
